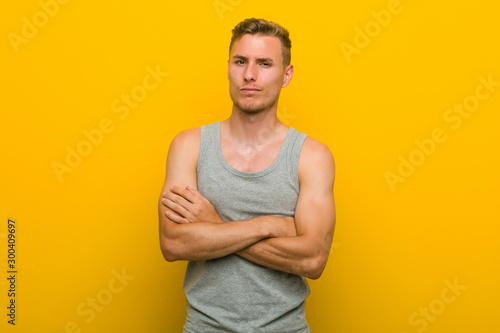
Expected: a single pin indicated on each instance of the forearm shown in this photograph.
(207, 240)
(296, 254)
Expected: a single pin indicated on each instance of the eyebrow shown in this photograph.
(258, 59)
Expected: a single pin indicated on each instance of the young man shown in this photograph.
(249, 201)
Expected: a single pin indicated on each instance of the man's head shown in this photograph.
(262, 27)
(259, 65)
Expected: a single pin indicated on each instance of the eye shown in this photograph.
(239, 62)
(266, 64)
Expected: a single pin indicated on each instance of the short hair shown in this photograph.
(253, 26)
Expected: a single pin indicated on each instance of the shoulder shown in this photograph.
(314, 151)
(185, 145)
(187, 137)
(316, 161)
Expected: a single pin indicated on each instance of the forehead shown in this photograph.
(257, 46)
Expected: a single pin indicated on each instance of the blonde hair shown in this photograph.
(255, 26)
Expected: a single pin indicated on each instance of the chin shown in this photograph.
(251, 109)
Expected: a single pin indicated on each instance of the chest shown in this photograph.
(250, 158)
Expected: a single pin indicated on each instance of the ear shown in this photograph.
(287, 76)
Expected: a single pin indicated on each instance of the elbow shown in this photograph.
(169, 250)
(170, 245)
(313, 267)
(170, 257)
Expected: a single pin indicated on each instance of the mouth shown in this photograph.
(249, 90)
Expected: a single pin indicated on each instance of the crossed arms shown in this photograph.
(191, 229)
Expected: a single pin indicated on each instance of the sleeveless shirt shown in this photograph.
(233, 294)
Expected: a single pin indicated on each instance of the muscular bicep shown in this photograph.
(182, 159)
(315, 210)
(315, 218)
(181, 170)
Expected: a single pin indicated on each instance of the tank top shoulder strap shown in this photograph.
(293, 152)
(208, 135)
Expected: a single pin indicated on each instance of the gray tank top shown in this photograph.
(232, 294)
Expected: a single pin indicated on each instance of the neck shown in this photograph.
(253, 129)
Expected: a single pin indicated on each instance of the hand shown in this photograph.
(281, 226)
(187, 205)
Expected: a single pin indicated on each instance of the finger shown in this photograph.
(178, 199)
(163, 198)
(183, 193)
(175, 218)
(174, 207)
(195, 192)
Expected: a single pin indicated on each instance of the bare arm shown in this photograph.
(209, 238)
(305, 254)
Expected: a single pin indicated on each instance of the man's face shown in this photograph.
(256, 74)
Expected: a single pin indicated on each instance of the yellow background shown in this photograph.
(394, 247)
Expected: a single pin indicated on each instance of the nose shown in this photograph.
(250, 73)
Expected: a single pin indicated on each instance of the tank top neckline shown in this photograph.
(252, 174)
